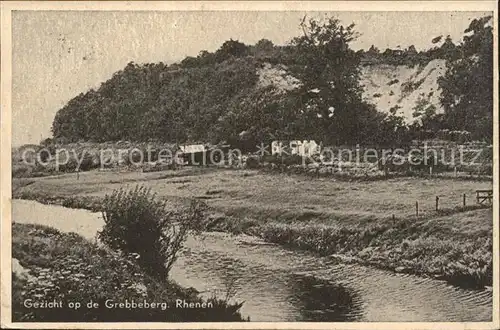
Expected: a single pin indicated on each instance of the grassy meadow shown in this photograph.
(371, 222)
(267, 197)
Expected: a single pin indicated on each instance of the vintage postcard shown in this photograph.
(270, 165)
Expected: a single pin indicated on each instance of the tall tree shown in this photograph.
(467, 87)
(329, 71)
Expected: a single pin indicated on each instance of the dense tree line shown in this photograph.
(153, 101)
(216, 97)
(467, 87)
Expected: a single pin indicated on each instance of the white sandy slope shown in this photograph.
(379, 84)
(379, 91)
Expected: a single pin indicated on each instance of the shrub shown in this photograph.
(47, 142)
(70, 166)
(135, 222)
(136, 157)
(293, 160)
(253, 162)
(272, 159)
(82, 202)
(87, 163)
(21, 171)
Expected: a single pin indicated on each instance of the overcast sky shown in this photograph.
(57, 55)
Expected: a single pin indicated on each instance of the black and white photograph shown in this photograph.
(283, 164)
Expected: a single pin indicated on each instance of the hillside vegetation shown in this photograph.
(316, 87)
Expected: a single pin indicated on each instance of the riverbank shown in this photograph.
(351, 222)
(53, 272)
(414, 247)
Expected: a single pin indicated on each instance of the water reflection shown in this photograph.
(283, 285)
(322, 300)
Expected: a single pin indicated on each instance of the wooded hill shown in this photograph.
(311, 88)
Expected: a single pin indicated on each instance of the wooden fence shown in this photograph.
(483, 198)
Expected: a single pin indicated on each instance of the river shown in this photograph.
(278, 284)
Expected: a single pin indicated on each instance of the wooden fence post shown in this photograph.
(416, 208)
(393, 219)
(437, 203)
(464, 200)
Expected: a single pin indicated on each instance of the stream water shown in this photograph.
(277, 284)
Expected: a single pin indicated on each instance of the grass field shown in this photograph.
(323, 215)
(262, 196)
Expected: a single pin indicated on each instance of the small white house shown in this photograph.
(304, 148)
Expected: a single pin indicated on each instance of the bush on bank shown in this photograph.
(68, 268)
(135, 222)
